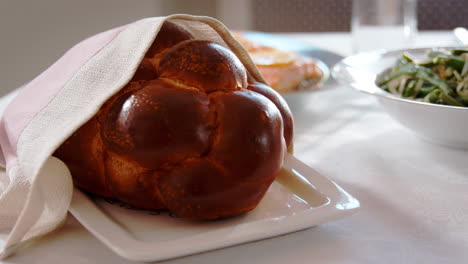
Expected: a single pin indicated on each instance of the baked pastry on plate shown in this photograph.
(191, 133)
(283, 70)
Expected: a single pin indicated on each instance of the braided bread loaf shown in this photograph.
(188, 133)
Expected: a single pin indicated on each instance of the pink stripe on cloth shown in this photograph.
(35, 95)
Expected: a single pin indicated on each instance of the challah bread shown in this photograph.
(191, 133)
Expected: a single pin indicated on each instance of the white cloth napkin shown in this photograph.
(36, 194)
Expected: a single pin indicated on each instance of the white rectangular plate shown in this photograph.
(300, 198)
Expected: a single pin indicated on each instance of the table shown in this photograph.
(413, 194)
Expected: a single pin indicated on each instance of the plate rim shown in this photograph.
(119, 240)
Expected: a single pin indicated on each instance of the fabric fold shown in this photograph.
(36, 188)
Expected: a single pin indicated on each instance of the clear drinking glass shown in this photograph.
(389, 24)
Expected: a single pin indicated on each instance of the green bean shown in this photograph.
(431, 77)
(405, 56)
(456, 63)
(449, 100)
(458, 52)
(451, 60)
(409, 89)
(425, 90)
(404, 59)
(438, 96)
(433, 97)
(427, 63)
(408, 69)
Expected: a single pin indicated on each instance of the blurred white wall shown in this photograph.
(35, 33)
(235, 14)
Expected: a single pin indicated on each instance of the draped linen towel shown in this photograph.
(36, 188)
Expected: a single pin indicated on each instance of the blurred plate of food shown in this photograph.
(425, 89)
(286, 64)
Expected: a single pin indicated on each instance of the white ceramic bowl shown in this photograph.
(446, 125)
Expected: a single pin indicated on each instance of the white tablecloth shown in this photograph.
(413, 194)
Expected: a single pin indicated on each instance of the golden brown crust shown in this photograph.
(89, 167)
(158, 124)
(188, 134)
(282, 106)
(169, 35)
(203, 65)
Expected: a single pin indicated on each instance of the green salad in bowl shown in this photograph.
(440, 77)
(425, 89)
